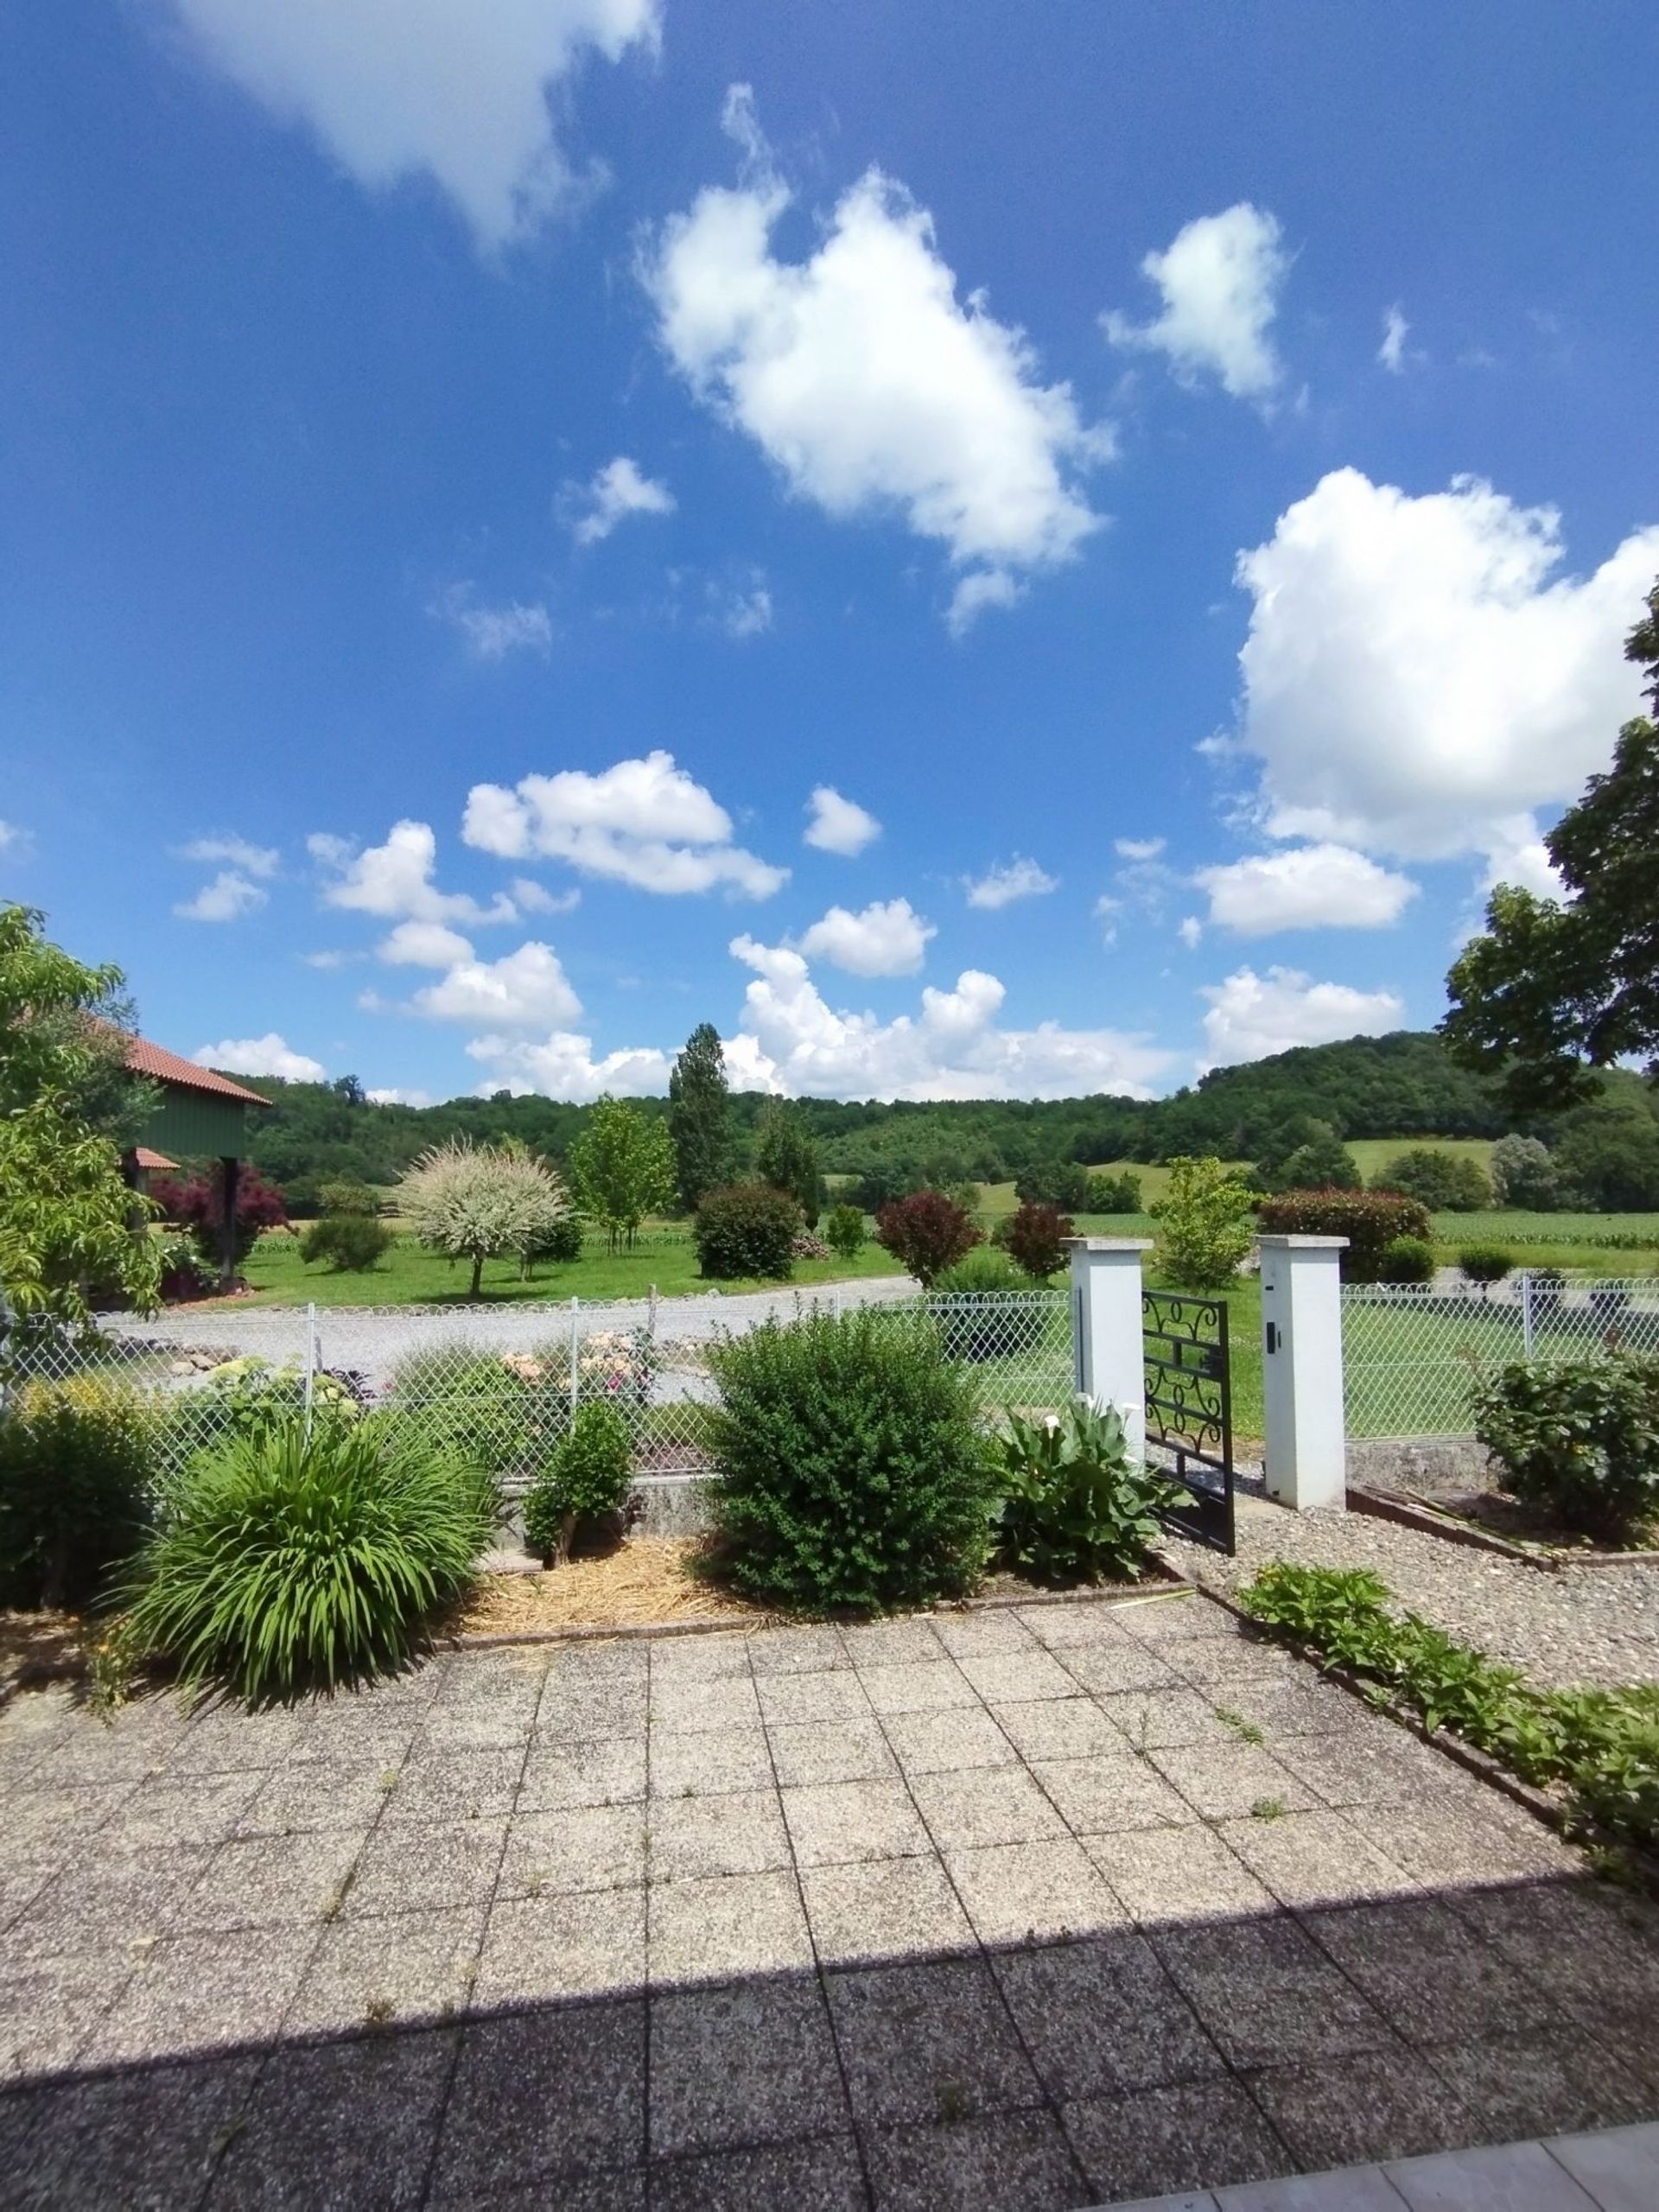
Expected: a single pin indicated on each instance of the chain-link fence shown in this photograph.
(1411, 1355)
(502, 1383)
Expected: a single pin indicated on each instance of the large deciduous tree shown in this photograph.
(699, 1118)
(68, 1220)
(1555, 988)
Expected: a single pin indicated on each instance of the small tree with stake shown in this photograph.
(622, 1166)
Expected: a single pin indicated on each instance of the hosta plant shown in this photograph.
(1076, 1507)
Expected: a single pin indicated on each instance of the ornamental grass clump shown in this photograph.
(284, 1564)
(852, 1474)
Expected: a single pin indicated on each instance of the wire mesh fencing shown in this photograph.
(1413, 1355)
(502, 1384)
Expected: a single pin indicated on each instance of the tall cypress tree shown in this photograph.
(699, 1117)
(786, 1156)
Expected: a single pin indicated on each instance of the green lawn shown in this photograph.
(411, 1276)
(1372, 1154)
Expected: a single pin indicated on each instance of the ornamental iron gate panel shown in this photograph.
(1190, 1409)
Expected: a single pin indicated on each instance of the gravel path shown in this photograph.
(1583, 1625)
(373, 1339)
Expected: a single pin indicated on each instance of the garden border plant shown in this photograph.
(1598, 1748)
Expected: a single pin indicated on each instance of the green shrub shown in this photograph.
(854, 1476)
(1444, 1182)
(1485, 1263)
(249, 1397)
(926, 1233)
(559, 1243)
(503, 1414)
(351, 1243)
(348, 1198)
(1603, 1746)
(282, 1566)
(1034, 1239)
(1370, 1220)
(1062, 1184)
(1113, 1193)
(1578, 1439)
(76, 1460)
(844, 1231)
(1205, 1223)
(584, 1481)
(1406, 1259)
(746, 1231)
(1076, 1508)
(986, 1271)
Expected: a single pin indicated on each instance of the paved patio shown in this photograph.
(990, 1909)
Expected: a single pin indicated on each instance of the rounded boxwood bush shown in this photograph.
(351, 1243)
(852, 1474)
(284, 1564)
(1485, 1263)
(746, 1230)
(1406, 1260)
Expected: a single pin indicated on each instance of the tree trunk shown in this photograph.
(566, 1537)
(478, 1274)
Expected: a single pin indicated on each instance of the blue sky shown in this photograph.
(1177, 481)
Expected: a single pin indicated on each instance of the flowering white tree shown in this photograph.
(477, 1202)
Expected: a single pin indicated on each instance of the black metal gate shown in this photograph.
(1190, 1409)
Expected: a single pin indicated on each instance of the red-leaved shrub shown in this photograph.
(1370, 1220)
(198, 1205)
(1033, 1238)
(926, 1233)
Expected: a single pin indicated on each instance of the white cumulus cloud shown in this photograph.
(1138, 850)
(645, 822)
(885, 938)
(1007, 880)
(838, 824)
(792, 1041)
(234, 852)
(1307, 887)
(1251, 1016)
(424, 945)
(617, 491)
(1417, 674)
(1220, 278)
(533, 898)
(492, 632)
(270, 1054)
(395, 880)
(1392, 353)
(562, 1066)
(525, 989)
(447, 89)
(863, 377)
(227, 898)
(396, 1095)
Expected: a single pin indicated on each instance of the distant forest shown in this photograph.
(1402, 1086)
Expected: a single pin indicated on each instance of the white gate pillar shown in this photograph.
(1107, 1363)
(1305, 1462)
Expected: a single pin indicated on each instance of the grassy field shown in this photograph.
(409, 1276)
(1372, 1154)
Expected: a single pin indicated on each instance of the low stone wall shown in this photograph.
(1426, 1464)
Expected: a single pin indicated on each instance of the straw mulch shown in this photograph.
(643, 1583)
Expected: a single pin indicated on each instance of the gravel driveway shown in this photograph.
(1580, 1624)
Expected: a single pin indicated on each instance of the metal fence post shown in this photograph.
(1526, 1312)
(310, 1365)
(576, 1304)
